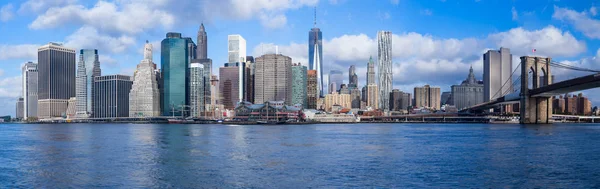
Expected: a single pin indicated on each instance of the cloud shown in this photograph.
(39, 6)
(298, 52)
(426, 12)
(593, 11)
(273, 21)
(580, 20)
(10, 87)
(515, 15)
(88, 37)
(23, 51)
(549, 41)
(6, 13)
(395, 2)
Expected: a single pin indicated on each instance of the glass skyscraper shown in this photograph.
(384, 58)
(88, 67)
(175, 61)
(299, 85)
(30, 90)
(315, 56)
(196, 89)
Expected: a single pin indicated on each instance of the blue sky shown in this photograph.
(435, 41)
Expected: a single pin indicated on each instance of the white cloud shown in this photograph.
(549, 41)
(515, 14)
(105, 59)
(593, 11)
(580, 20)
(89, 38)
(39, 6)
(273, 21)
(23, 51)
(6, 13)
(10, 87)
(395, 2)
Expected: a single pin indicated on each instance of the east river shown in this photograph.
(303, 156)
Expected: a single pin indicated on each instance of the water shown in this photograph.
(317, 156)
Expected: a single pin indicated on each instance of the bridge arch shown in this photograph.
(535, 109)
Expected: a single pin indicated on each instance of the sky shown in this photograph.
(434, 41)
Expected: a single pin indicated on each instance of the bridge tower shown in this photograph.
(535, 109)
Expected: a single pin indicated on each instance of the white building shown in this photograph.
(384, 59)
(30, 90)
(144, 97)
(237, 48)
(196, 89)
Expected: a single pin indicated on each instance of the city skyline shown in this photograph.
(577, 47)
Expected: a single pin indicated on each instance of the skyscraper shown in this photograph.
(355, 95)
(372, 96)
(371, 72)
(175, 74)
(384, 51)
(399, 100)
(88, 67)
(202, 40)
(299, 85)
(144, 97)
(497, 69)
(111, 98)
(196, 89)
(56, 79)
(229, 86)
(315, 54)
(312, 93)
(468, 93)
(30, 90)
(352, 77)
(427, 97)
(336, 79)
(237, 48)
(19, 109)
(273, 79)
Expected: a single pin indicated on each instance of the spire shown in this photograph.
(202, 27)
(471, 77)
(315, 22)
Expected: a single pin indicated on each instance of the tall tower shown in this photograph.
(144, 97)
(30, 90)
(202, 41)
(371, 72)
(196, 89)
(88, 68)
(497, 67)
(56, 79)
(315, 54)
(384, 57)
(352, 77)
(175, 74)
(273, 78)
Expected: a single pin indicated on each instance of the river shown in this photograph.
(303, 156)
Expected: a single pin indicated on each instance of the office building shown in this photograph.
(355, 97)
(352, 77)
(19, 109)
(88, 67)
(56, 79)
(207, 74)
(71, 107)
(251, 65)
(336, 99)
(175, 54)
(196, 89)
(245, 86)
(371, 72)
(202, 46)
(400, 100)
(315, 55)
(214, 92)
(384, 58)
(344, 89)
(312, 89)
(372, 96)
(299, 85)
(229, 90)
(144, 97)
(336, 79)
(111, 96)
(468, 93)
(30, 90)
(273, 79)
(427, 97)
(497, 70)
(237, 48)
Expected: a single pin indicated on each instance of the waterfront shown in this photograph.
(318, 156)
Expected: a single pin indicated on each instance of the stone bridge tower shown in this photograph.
(535, 109)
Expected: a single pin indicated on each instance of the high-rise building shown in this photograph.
(251, 65)
(229, 86)
(497, 70)
(71, 106)
(584, 105)
(56, 79)
(207, 74)
(196, 89)
(273, 79)
(336, 79)
(399, 100)
(88, 67)
(315, 55)
(20, 109)
(202, 40)
(344, 89)
(312, 92)
(30, 90)
(427, 97)
(384, 51)
(468, 93)
(299, 85)
(175, 54)
(144, 97)
(372, 96)
(337, 99)
(352, 77)
(111, 98)
(447, 98)
(237, 48)
(214, 92)
(355, 95)
(371, 72)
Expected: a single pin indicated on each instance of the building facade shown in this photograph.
(427, 97)
(299, 85)
(315, 56)
(400, 100)
(229, 86)
(175, 74)
(336, 99)
(196, 89)
(237, 48)
(19, 109)
(88, 68)
(497, 69)
(312, 92)
(384, 58)
(144, 97)
(111, 98)
(56, 79)
(352, 77)
(202, 46)
(355, 96)
(372, 96)
(336, 79)
(273, 79)
(468, 93)
(30, 90)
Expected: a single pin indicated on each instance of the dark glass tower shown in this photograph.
(175, 61)
(56, 79)
(315, 54)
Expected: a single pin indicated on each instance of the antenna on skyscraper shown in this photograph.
(315, 23)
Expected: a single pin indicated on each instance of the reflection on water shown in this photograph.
(318, 156)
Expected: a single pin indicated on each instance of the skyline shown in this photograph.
(420, 51)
